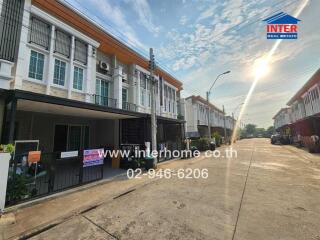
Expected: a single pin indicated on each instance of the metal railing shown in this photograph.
(52, 174)
(104, 101)
(129, 106)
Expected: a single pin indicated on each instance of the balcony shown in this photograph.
(129, 106)
(104, 101)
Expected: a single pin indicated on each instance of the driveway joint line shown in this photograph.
(98, 226)
(243, 192)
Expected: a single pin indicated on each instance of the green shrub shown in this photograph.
(17, 188)
(201, 144)
(7, 148)
(217, 137)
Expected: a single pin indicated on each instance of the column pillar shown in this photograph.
(138, 90)
(51, 60)
(70, 84)
(90, 77)
(117, 83)
(12, 119)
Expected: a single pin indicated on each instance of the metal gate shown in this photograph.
(52, 174)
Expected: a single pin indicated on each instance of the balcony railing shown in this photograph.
(104, 101)
(129, 106)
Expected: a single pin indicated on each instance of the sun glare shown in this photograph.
(261, 67)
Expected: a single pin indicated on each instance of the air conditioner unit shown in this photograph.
(124, 77)
(104, 66)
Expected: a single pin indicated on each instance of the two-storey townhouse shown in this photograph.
(305, 105)
(71, 85)
(282, 118)
(196, 117)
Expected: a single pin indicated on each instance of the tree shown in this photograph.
(250, 129)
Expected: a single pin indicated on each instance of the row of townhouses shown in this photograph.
(195, 110)
(301, 116)
(69, 89)
(68, 83)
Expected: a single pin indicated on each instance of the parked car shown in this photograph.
(275, 138)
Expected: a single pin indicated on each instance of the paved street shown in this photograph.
(267, 192)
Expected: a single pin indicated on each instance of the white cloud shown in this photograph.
(142, 8)
(183, 20)
(114, 14)
(209, 12)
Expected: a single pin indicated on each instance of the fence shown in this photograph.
(52, 174)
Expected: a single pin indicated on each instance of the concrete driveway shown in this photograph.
(266, 192)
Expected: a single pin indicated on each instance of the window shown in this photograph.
(36, 65)
(62, 43)
(39, 33)
(149, 99)
(165, 104)
(173, 95)
(80, 51)
(143, 81)
(78, 78)
(142, 97)
(124, 95)
(59, 72)
(102, 92)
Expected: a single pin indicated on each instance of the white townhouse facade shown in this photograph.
(195, 112)
(304, 109)
(68, 75)
(282, 118)
(57, 59)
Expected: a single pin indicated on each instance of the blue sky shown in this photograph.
(198, 39)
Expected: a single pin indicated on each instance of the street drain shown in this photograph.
(125, 193)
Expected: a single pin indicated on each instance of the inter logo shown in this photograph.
(282, 26)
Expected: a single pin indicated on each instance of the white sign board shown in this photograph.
(69, 154)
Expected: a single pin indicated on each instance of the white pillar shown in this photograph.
(70, 83)
(89, 83)
(138, 91)
(4, 168)
(132, 91)
(117, 82)
(50, 65)
(175, 104)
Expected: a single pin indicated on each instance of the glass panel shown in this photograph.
(59, 72)
(124, 95)
(78, 78)
(36, 65)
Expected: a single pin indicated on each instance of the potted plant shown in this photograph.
(5, 155)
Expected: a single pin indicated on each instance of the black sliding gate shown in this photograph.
(52, 174)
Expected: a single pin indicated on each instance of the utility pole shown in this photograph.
(152, 67)
(208, 94)
(224, 125)
(209, 127)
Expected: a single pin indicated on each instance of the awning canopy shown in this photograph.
(41, 107)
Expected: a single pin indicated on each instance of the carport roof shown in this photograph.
(30, 101)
